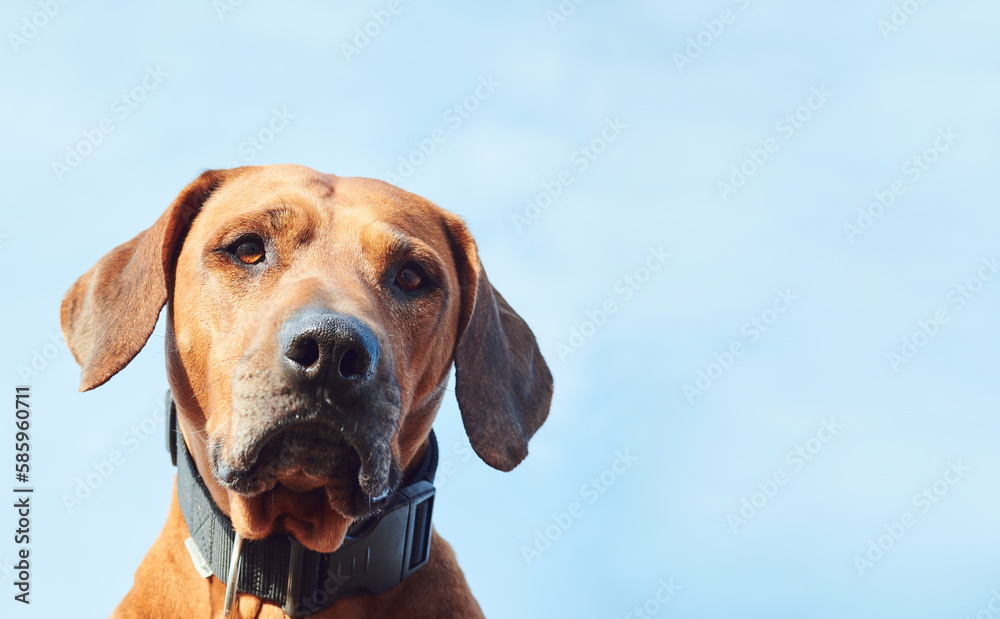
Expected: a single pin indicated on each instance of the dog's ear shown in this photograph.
(502, 383)
(110, 312)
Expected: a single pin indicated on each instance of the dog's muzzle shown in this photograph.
(321, 412)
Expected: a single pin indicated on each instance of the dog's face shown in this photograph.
(312, 317)
(312, 324)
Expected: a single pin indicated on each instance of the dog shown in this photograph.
(311, 325)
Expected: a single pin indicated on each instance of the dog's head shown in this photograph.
(312, 322)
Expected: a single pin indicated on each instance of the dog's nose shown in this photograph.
(329, 348)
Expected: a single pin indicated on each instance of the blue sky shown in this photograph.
(622, 121)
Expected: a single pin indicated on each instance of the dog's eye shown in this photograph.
(249, 249)
(410, 277)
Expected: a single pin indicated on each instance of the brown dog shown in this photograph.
(312, 322)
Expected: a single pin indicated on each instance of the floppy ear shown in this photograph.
(502, 383)
(110, 312)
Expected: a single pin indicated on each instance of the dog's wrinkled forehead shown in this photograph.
(291, 198)
(344, 235)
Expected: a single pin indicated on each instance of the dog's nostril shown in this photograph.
(305, 352)
(349, 365)
(327, 349)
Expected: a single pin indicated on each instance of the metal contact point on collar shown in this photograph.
(291, 606)
(235, 561)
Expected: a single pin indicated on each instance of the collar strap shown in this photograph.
(385, 550)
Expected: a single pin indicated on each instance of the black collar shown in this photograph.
(390, 547)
